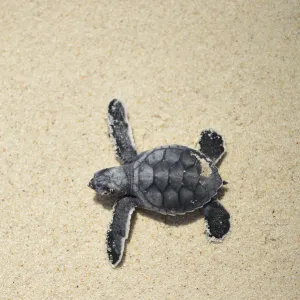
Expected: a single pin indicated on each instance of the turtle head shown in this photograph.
(112, 181)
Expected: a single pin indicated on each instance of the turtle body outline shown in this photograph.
(171, 179)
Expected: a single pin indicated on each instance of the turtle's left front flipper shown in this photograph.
(120, 132)
(119, 228)
(217, 220)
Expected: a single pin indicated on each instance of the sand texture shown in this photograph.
(180, 67)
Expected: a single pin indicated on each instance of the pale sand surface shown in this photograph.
(180, 66)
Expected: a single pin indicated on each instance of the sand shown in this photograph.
(180, 66)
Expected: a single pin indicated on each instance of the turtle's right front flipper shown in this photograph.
(120, 132)
(119, 228)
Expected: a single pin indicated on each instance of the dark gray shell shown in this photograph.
(170, 180)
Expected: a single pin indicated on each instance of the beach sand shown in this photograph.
(180, 67)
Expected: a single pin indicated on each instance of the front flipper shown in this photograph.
(120, 132)
(211, 145)
(217, 220)
(119, 228)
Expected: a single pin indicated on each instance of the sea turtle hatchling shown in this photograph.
(170, 180)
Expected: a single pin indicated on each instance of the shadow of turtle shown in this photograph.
(219, 162)
(190, 217)
(106, 201)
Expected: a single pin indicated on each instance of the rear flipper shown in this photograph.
(120, 132)
(217, 220)
(118, 229)
(211, 145)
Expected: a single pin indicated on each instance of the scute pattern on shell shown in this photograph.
(169, 178)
